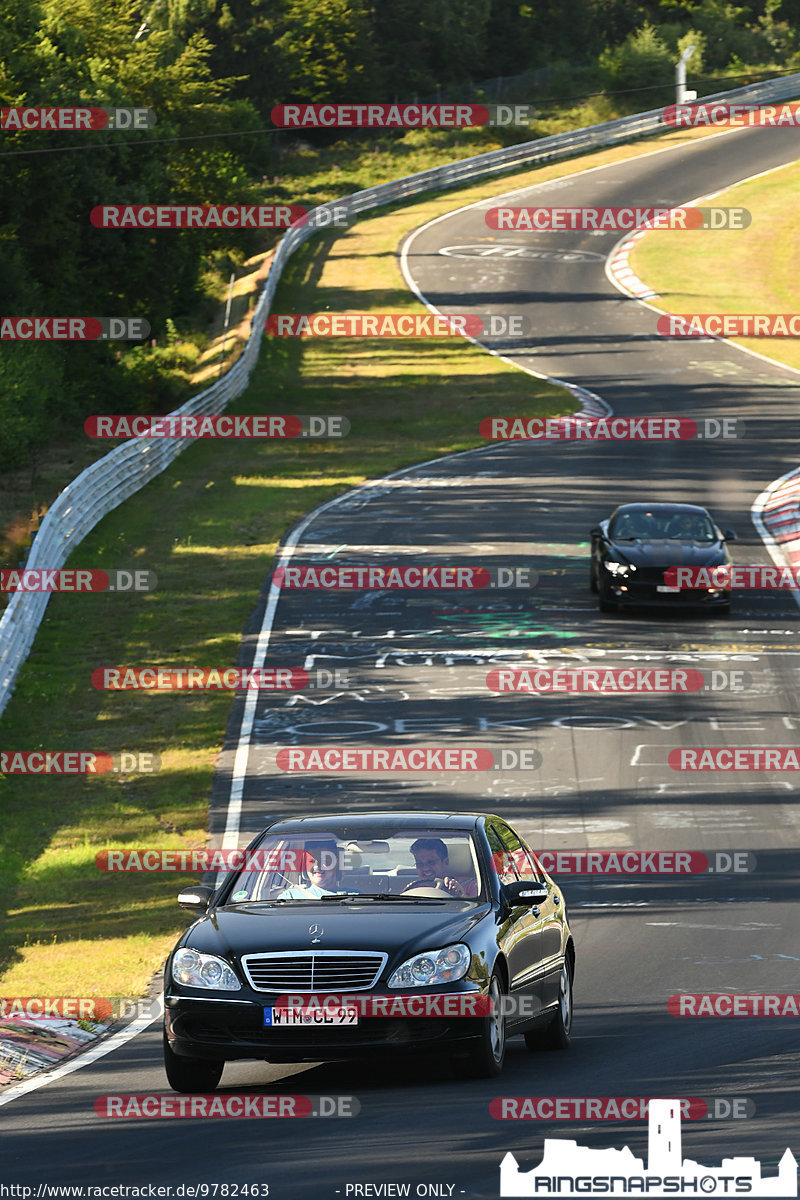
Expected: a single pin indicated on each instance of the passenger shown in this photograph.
(685, 526)
(321, 880)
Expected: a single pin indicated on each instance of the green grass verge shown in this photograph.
(209, 527)
(750, 270)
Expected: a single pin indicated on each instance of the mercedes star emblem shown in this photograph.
(316, 932)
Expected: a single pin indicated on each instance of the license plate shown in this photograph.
(310, 1016)
(662, 587)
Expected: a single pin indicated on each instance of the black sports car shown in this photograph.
(638, 543)
(391, 932)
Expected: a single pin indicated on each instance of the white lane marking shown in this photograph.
(86, 1057)
(327, 550)
(745, 927)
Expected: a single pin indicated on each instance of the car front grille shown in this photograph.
(650, 575)
(314, 971)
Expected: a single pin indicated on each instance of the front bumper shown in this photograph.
(229, 1030)
(631, 591)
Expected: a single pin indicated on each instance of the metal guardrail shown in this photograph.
(123, 471)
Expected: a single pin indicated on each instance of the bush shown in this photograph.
(725, 37)
(642, 62)
(31, 382)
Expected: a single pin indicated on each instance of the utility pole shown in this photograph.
(681, 94)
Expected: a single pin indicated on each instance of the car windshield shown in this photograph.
(415, 864)
(655, 526)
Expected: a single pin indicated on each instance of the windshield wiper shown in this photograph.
(387, 896)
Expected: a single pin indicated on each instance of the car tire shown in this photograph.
(557, 1035)
(486, 1057)
(605, 605)
(594, 586)
(190, 1074)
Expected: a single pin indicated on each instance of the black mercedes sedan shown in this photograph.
(634, 548)
(348, 935)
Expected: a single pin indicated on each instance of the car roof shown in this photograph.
(400, 819)
(661, 507)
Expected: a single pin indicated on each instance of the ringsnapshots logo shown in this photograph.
(75, 119)
(198, 1107)
(353, 577)
(397, 325)
(615, 220)
(218, 425)
(568, 1169)
(616, 681)
(729, 325)
(76, 580)
(610, 429)
(78, 762)
(731, 116)
(73, 329)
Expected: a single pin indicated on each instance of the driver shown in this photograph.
(683, 526)
(430, 856)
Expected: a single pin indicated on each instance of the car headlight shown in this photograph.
(434, 966)
(194, 969)
(617, 568)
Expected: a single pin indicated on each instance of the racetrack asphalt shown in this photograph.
(417, 665)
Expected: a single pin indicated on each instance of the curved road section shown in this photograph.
(413, 668)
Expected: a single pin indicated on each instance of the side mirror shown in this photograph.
(196, 898)
(729, 535)
(523, 892)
